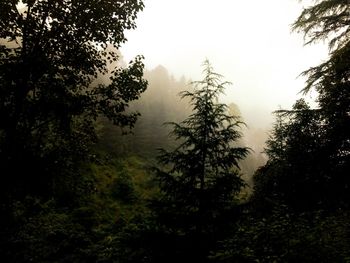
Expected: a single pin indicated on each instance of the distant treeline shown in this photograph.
(161, 104)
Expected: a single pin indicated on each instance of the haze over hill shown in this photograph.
(74, 188)
(249, 42)
(161, 103)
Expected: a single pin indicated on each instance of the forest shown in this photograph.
(103, 160)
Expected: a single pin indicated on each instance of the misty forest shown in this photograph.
(105, 160)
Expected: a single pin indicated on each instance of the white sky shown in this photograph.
(247, 41)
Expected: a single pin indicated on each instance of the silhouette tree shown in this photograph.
(296, 162)
(312, 145)
(330, 20)
(301, 195)
(51, 53)
(200, 186)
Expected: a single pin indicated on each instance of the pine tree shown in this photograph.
(200, 186)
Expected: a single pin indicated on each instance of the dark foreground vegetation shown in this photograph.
(74, 189)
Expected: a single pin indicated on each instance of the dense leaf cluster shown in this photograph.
(52, 53)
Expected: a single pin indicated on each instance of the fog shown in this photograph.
(161, 104)
(249, 42)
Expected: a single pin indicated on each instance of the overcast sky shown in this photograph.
(249, 42)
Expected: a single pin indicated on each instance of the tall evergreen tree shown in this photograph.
(200, 186)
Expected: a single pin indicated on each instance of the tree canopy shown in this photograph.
(329, 21)
(312, 144)
(51, 55)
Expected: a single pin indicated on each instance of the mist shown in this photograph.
(249, 42)
(141, 131)
(162, 104)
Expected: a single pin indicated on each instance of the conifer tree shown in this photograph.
(200, 186)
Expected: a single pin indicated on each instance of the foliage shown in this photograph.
(296, 162)
(283, 236)
(62, 200)
(52, 57)
(103, 227)
(46, 234)
(309, 148)
(51, 54)
(329, 20)
(326, 19)
(299, 209)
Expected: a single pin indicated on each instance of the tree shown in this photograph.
(296, 162)
(51, 56)
(325, 20)
(330, 20)
(301, 194)
(199, 189)
(312, 145)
